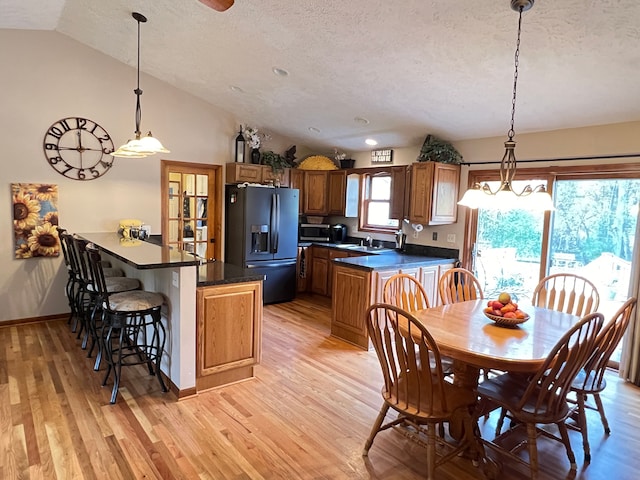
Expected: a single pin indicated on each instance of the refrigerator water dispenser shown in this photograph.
(259, 238)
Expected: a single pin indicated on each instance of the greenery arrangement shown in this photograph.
(438, 150)
(276, 161)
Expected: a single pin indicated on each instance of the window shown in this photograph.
(376, 204)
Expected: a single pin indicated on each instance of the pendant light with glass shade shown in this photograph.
(140, 146)
(481, 196)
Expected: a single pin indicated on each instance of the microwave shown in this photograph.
(315, 232)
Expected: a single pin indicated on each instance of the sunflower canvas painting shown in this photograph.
(35, 220)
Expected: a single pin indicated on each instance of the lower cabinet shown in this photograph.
(228, 333)
(319, 270)
(354, 290)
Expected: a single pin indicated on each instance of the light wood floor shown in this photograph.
(305, 416)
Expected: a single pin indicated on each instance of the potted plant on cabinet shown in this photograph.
(276, 161)
(438, 150)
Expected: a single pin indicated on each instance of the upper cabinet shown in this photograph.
(252, 173)
(434, 193)
(316, 192)
(337, 192)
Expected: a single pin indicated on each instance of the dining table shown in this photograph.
(473, 341)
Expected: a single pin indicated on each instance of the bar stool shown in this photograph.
(132, 329)
(90, 301)
(72, 272)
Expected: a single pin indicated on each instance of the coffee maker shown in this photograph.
(338, 233)
(401, 240)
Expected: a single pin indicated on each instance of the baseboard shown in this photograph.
(44, 318)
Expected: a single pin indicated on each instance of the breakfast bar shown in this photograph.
(181, 279)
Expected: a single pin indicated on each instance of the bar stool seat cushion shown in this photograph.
(112, 272)
(136, 300)
(118, 284)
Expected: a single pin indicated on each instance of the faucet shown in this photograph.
(369, 241)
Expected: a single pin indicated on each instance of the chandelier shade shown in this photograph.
(505, 197)
(140, 146)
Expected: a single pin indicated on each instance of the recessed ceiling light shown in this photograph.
(361, 120)
(235, 88)
(314, 129)
(281, 72)
(371, 141)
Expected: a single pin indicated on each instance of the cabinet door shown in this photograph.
(229, 323)
(333, 254)
(296, 180)
(381, 277)
(420, 201)
(243, 172)
(446, 183)
(337, 192)
(349, 305)
(319, 269)
(315, 192)
(398, 192)
(429, 279)
(280, 178)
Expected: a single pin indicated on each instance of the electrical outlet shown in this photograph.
(451, 238)
(175, 279)
(434, 236)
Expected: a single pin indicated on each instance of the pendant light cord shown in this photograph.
(511, 133)
(139, 18)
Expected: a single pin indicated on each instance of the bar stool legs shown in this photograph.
(133, 339)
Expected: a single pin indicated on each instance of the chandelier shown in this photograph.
(140, 146)
(505, 197)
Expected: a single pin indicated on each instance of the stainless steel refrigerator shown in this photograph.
(261, 234)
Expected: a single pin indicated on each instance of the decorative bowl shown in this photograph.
(506, 322)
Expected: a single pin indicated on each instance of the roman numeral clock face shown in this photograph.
(78, 148)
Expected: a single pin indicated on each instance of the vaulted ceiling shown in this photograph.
(392, 70)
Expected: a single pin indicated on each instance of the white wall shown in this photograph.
(45, 77)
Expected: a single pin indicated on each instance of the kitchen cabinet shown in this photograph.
(319, 269)
(400, 182)
(333, 254)
(252, 173)
(434, 193)
(337, 196)
(243, 172)
(354, 290)
(316, 191)
(228, 333)
(296, 180)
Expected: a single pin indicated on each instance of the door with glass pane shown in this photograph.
(191, 214)
(508, 248)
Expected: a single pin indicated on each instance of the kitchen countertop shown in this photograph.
(220, 273)
(139, 254)
(391, 259)
(382, 258)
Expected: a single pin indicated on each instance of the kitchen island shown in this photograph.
(358, 282)
(207, 336)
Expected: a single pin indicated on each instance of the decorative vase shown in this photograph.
(255, 156)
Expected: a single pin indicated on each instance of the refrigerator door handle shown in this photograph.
(275, 222)
(276, 264)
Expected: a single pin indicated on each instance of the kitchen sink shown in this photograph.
(364, 248)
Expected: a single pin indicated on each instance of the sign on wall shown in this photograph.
(35, 220)
(382, 156)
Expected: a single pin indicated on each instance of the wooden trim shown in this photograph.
(44, 318)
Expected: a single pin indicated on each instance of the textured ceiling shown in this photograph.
(408, 67)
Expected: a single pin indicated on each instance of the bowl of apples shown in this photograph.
(505, 312)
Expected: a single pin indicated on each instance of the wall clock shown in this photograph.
(78, 148)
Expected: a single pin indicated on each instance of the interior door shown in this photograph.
(192, 208)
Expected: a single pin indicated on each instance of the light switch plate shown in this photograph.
(175, 279)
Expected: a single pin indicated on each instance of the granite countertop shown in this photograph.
(220, 273)
(391, 259)
(140, 254)
(383, 258)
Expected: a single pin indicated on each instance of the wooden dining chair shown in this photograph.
(406, 292)
(590, 380)
(568, 293)
(459, 285)
(414, 386)
(542, 398)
